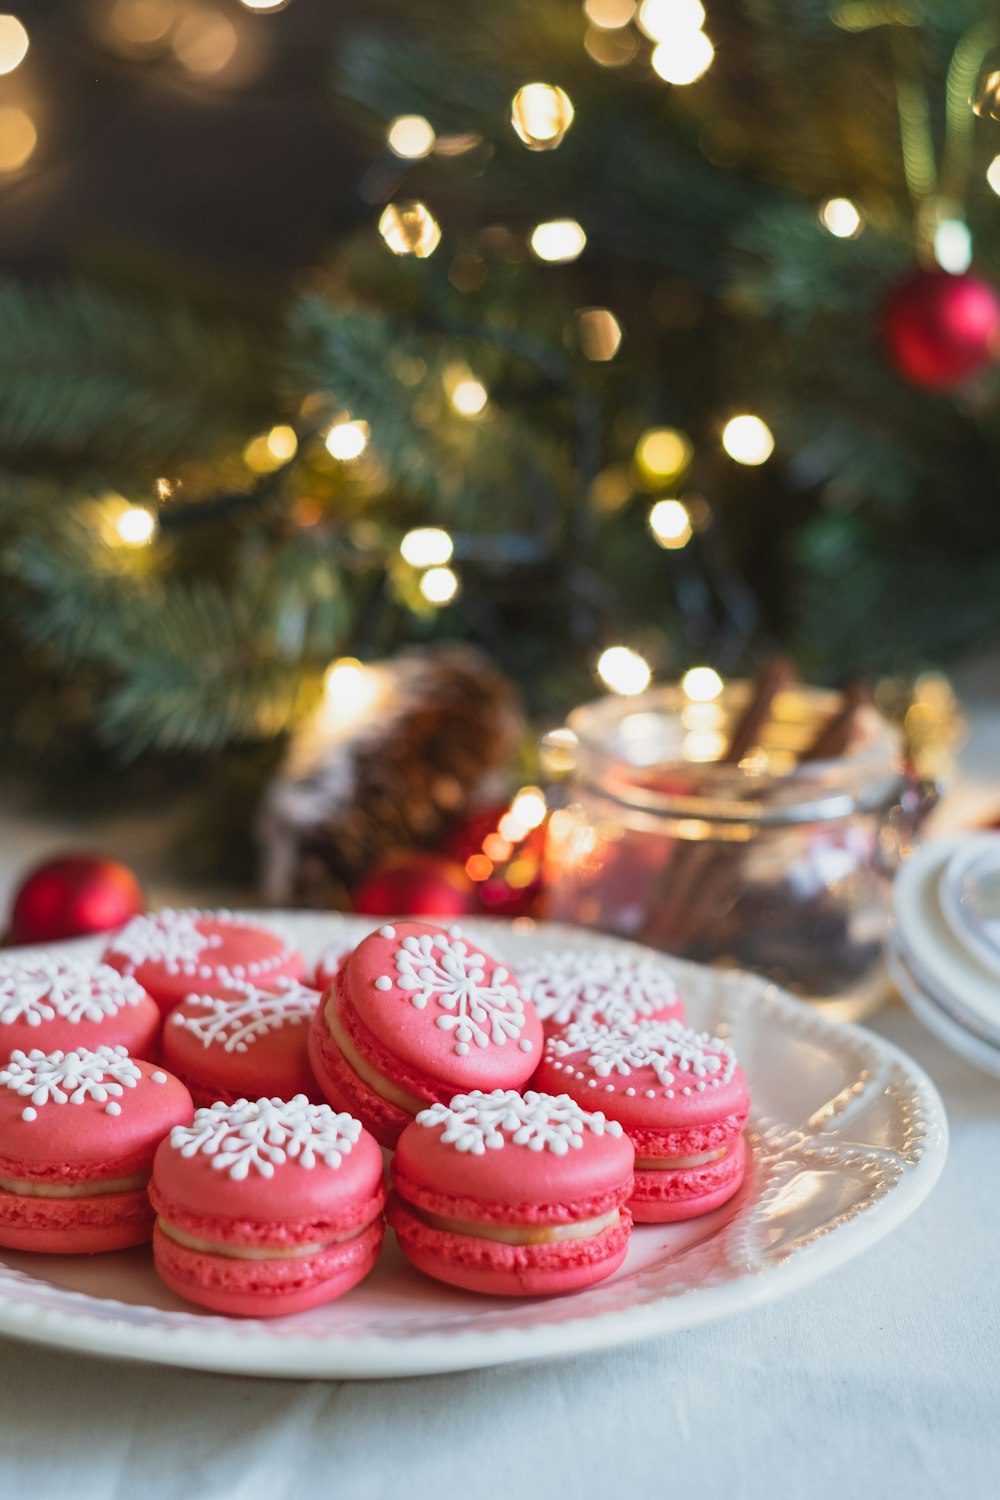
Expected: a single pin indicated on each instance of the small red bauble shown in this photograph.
(940, 330)
(74, 896)
(415, 884)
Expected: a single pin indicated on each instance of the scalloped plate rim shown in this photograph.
(248, 1348)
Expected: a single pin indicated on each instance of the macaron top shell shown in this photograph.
(269, 1160)
(508, 1150)
(329, 962)
(599, 984)
(80, 1112)
(650, 1075)
(442, 1006)
(169, 951)
(263, 1027)
(48, 1003)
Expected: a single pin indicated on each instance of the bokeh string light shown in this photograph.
(135, 525)
(624, 671)
(13, 43)
(702, 684)
(411, 137)
(410, 229)
(558, 241)
(684, 59)
(600, 333)
(748, 440)
(439, 585)
(670, 524)
(609, 15)
(426, 547)
(18, 138)
(841, 218)
(541, 114)
(661, 454)
(347, 439)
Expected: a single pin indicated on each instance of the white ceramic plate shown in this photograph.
(970, 897)
(848, 1137)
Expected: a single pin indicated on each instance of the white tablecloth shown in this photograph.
(882, 1380)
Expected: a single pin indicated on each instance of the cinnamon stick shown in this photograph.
(834, 738)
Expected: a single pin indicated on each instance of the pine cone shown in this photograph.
(357, 784)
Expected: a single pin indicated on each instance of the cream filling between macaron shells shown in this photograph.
(256, 1252)
(108, 1185)
(374, 1079)
(517, 1234)
(677, 1163)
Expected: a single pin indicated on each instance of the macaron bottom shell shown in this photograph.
(266, 1288)
(672, 1194)
(502, 1270)
(342, 1088)
(75, 1226)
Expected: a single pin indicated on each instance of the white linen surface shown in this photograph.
(881, 1380)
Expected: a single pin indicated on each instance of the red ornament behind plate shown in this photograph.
(74, 896)
(940, 330)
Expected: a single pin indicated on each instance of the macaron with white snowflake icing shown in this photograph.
(681, 1096)
(328, 964)
(78, 1132)
(174, 952)
(267, 1206)
(513, 1194)
(416, 1015)
(51, 1003)
(610, 985)
(243, 1041)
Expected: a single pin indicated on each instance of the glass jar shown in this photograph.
(778, 865)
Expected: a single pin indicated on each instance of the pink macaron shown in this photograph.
(328, 964)
(172, 952)
(267, 1206)
(78, 1132)
(418, 1014)
(681, 1096)
(56, 1004)
(243, 1042)
(513, 1194)
(599, 984)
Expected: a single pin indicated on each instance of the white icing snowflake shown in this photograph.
(167, 937)
(580, 985)
(481, 1122)
(236, 1021)
(666, 1047)
(444, 969)
(259, 1135)
(34, 990)
(70, 1077)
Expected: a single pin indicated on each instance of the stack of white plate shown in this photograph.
(943, 948)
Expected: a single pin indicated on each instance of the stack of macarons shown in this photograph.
(194, 1088)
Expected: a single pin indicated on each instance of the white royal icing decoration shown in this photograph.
(33, 990)
(442, 968)
(236, 1020)
(581, 985)
(69, 1077)
(260, 1135)
(665, 1047)
(174, 939)
(481, 1122)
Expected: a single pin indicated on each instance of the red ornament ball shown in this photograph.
(940, 330)
(415, 884)
(74, 896)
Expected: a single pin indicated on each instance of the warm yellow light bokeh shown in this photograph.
(282, 443)
(600, 333)
(664, 20)
(426, 547)
(684, 58)
(558, 240)
(748, 440)
(135, 525)
(439, 585)
(205, 42)
(469, 398)
(623, 670)
(410, 229)
(841, 217)
(347, 440)
(18, 138)
(670, 524)
(13, 43)
(541, 114)
(701, 684)
(609, 15)
(663, 452)
(411, 137)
